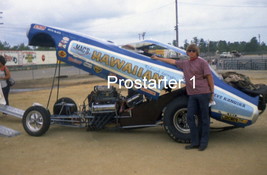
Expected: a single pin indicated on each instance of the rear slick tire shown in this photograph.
(175, 120)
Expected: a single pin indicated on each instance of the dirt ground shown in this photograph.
(148, 151)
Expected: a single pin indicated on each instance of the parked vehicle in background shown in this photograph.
(236, 53)
(226, 55)
(231, 54)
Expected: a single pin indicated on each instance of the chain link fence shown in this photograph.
(241, 64)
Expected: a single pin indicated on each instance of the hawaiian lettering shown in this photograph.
(125, 66)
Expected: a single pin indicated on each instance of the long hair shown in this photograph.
(2, 60)
(193, 47)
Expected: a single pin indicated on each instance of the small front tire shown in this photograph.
(36, 120)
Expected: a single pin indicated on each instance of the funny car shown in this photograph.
(150, 100)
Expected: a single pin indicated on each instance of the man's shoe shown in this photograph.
(191, 147)
(202, 148)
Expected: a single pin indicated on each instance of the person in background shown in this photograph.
(200, 94)
(4, 76)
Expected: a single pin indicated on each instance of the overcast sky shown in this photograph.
(121, 21)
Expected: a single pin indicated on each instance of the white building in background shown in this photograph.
(21, 58)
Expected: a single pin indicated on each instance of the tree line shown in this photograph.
(206, 46)
(251, 47)
(6, 46)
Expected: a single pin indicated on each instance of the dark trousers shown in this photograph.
(198, 106)
(6, 92)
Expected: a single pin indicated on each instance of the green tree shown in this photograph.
(195, 40)
(213, 46)
(4, 45)
(21, 47)
(203, 45)
(222, 46)
(186, 44)
(253, 45)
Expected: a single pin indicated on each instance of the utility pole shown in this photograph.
(1, 18)
(176, 26)
(142, 35)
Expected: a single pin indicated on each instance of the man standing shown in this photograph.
(200, 92)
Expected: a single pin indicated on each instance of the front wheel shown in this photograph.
(36, 120)
(175, 120)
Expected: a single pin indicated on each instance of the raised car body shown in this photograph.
(106, 59)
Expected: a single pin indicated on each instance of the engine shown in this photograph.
(103, 100)
(103, 106)
(106, 105)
